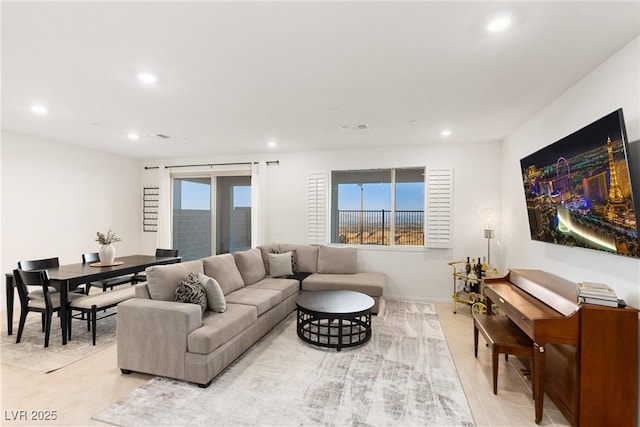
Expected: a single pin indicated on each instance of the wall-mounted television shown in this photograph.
(580, 190)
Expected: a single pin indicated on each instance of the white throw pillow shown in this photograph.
(215, 297)
(280, 264)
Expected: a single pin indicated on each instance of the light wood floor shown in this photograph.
(79, 391)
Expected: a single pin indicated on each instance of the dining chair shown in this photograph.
(45, 303)
(44, 264)
(39, 264)
(91, 257)
(159, 253)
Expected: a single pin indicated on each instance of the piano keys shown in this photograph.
(585, 356)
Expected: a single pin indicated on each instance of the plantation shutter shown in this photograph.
(439, 208)
(317, 182)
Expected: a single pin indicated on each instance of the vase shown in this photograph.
(107, 254)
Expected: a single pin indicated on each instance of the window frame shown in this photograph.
(333, 224)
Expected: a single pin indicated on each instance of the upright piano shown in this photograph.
(585, 356)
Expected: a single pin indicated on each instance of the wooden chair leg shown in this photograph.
(94, 316)
(23, 319)
(47, 332)
(44, 321)
(69, 317)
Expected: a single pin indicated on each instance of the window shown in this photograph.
(211, 212)
(378, 207)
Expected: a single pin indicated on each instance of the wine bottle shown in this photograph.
(467, 267)
(484, 266)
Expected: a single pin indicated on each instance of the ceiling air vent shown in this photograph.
(352, 128)
(159, 135)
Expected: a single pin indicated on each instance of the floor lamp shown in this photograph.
(489, 234)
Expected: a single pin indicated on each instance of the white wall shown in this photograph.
(55, 197)
(416, 274)
(612, 85)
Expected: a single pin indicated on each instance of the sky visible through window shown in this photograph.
(409, 196)
(197, 196)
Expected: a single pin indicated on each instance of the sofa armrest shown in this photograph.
(152, 335)
(142, 290)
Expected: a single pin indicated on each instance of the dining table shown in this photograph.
(67, 277)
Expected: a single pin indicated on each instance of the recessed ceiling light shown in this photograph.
(272, 144)
(445, 132)
(499, 24)
(133, 135)
(39, 109)
(147, 78)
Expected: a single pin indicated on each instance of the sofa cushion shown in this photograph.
(215, 297)
(191, 291)
(163, 280)
(280, 264)
(250, 265)
(288, 287)
(223, 269)
(337, 260)
(218, 328)
(306, 255)
(262, 299)
(371, 284)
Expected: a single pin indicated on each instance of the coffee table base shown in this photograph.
(333, 331)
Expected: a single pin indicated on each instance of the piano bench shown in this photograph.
(503, 337)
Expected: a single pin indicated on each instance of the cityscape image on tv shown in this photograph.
(578, 190)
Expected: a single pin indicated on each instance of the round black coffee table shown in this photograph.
(334, 319)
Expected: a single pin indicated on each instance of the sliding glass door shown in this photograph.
(211, 215)
(192, 217)
(233, 209)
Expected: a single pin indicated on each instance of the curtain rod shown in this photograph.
(269, 162)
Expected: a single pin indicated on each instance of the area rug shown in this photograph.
(403, 376)
(30, 352)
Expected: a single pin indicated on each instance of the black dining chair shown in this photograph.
(44, 303)
(159, 253)
(39, 264)
(44, 264)
(91, 257)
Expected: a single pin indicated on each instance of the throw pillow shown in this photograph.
(191, 291)
(294, 259)
(280, 265)
(215, 297)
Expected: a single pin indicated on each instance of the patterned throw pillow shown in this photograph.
(191, 291)
(294, 259)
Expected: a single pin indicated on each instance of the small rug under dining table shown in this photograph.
(404, 376)
(31, 354)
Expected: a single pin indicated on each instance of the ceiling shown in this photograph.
(233, 76)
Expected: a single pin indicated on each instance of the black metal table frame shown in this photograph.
(358, 323)
(68, 277)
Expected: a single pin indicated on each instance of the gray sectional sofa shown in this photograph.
(160, 336)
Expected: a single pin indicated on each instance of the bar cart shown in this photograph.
(467, 288)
